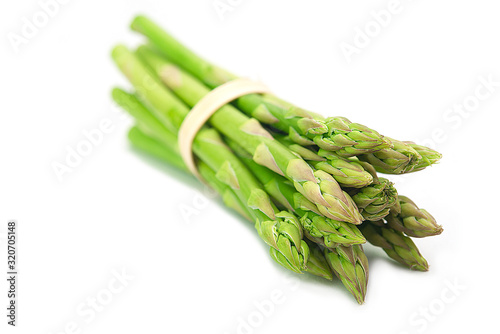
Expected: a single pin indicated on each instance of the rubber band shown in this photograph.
(205, 108)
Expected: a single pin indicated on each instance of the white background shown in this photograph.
(119, 211)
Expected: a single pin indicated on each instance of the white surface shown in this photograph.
(116, 210)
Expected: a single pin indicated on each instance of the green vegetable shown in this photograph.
(317, 264)
(413, 221)
(310, 184)
(401, 158)
(429, 156)
(375, 201)
(350, 265)
(395, 244)
(346, 172)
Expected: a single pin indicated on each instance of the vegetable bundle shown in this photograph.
(310, 184)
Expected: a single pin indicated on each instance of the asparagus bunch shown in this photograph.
(310, 184)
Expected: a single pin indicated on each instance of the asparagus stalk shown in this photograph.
(303, 127)
(413, 221)
(429, 156)
(179, 54)
(349, 139)
(319, 187)
(350, 265)
(284, 235)
(376, 200)
(346, 172)
(395, 244)
(401, 158)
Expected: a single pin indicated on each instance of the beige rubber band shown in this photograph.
(205, 108)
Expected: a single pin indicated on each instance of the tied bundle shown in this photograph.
(310, 184)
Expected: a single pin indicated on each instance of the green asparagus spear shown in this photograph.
(395, 244)
(350, 265)
(346, 172)
(401, 158)
(429, 156)
(375, 201)
(317, 264)
(413, 221)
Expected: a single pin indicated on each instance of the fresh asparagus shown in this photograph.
(350, 265)
(346, 172)
(317, 264)
(306, 181)
(395, 244)
(413, 221)
(401, 158)
(375, 201)
(429, 156)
